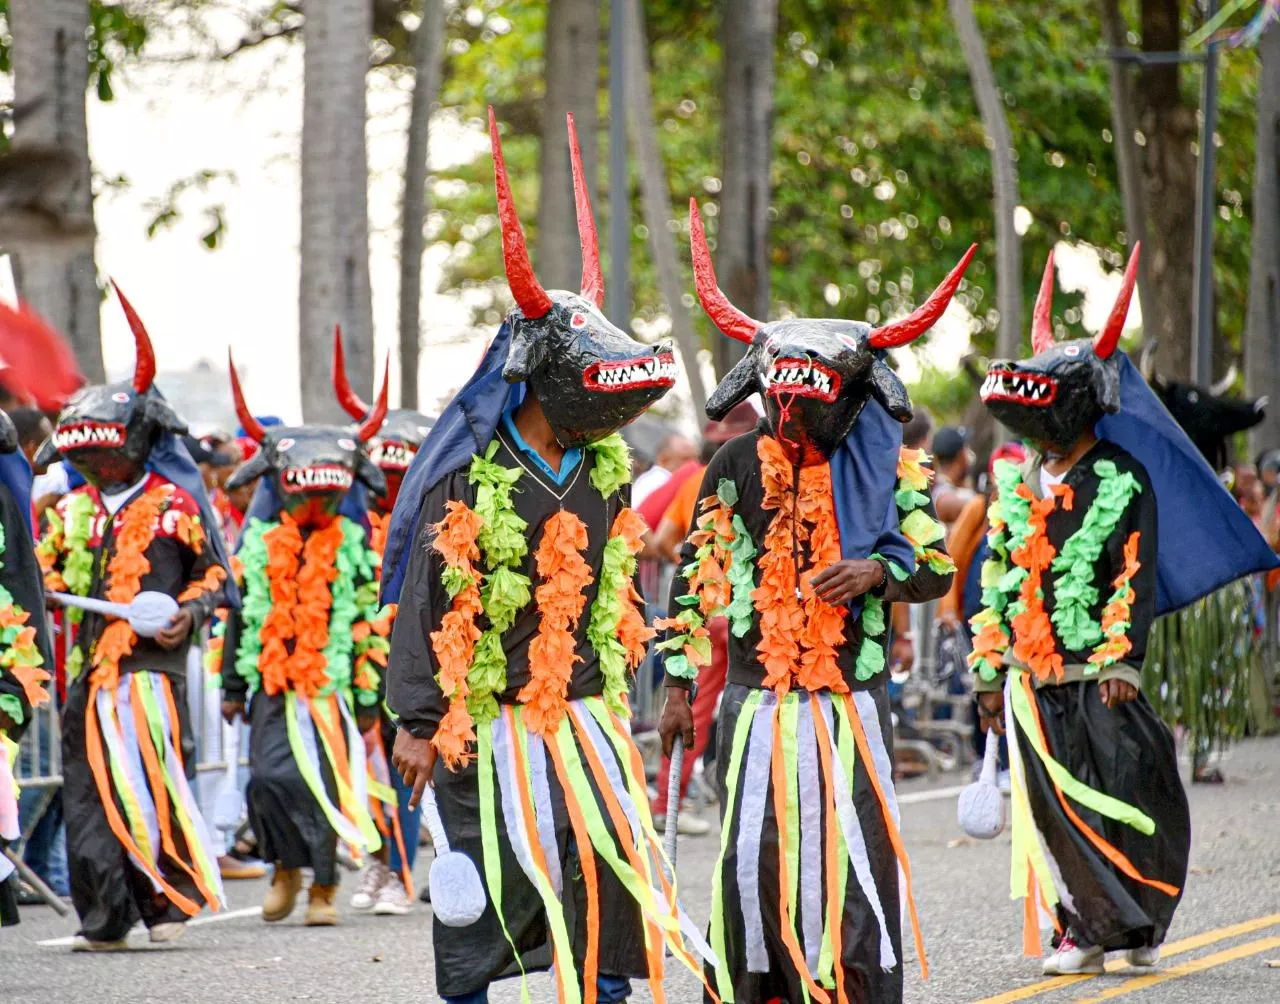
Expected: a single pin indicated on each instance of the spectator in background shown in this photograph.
(1248, 490)
(917, 434)
(50, 482)
(673, 452)
(952, 460)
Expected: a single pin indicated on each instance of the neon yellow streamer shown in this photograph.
(742, 730)
(124, 788)
(560, 940)
(311, 776)
(348, 804)
(788, 715)
(489, 842)
(1104, 805)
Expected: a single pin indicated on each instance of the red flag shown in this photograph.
(39, 362)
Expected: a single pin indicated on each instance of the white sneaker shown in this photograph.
(1004, 780)
(1072, 960)
(687, 824)
(82, 944)
(372, 879)
(169, 931)
(392, 899)
(1143, 958)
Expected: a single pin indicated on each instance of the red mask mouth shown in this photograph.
(1030, 389)
(392, 456)
(803, 378)
(631, 374)
(89, 435)
(317, 478)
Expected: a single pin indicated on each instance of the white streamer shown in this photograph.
(810, 794)
(754, 788)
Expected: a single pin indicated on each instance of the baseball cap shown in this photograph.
(949, 441)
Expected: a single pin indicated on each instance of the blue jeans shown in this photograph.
(409, 824)
(611, 989)
(45, 851)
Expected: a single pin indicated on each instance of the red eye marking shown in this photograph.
(578, 321)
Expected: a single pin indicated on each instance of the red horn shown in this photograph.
(370, 426)
(252, 427)
(1104, 344)
(592, 275)
(728, 318)
(925, 316)
(348, 398)
(531, 298)
(144, 367)
(1042, 316)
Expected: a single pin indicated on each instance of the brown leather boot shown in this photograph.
(285, 886)
(321, 909)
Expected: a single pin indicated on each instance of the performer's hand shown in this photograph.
(231, 710)
(676, 720)
(1116, 692)
(415, 759)
(903, 654)
(366, 719)
(847, 579)
(991, 711)
(178, 631)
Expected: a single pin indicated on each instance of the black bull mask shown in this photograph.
(393, 447)
(590, 377)
(312, 467)
(106, 431)
(815, 374)
(1058, 394)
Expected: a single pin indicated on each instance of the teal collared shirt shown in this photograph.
(572, 456)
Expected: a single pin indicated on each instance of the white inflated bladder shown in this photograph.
(457, 894)
(148, 614)
(980, 810)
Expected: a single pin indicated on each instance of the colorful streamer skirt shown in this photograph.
(561, 832)
(9, 830)
(1101, 827)
(137, 846)
(308, 782)
(384, 802)
(806, 891)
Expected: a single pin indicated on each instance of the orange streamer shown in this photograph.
(587, 857)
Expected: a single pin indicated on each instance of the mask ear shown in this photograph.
(1106, 386)
(8, 434)
(527, 353)
(47, 454)
(372, 476)
(253, 468)
(889, 391)
(166, 418)
(738, 384)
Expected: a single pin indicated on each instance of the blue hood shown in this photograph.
(15, 474)
(1205, 539)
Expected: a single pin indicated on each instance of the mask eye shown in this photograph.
(285, 444)
(1071, 350)
(120, 397)
(578, 321)
(849, 342)
(347, 444)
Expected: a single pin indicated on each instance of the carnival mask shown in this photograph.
(590, 377)
(393, 446)
(312, 467)
(1058, 394)
(815, 374)
(106, 431)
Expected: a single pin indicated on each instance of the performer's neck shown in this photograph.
(1057, 465)
(535, 430)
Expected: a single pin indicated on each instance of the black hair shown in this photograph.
(30, 425)
(916, 431)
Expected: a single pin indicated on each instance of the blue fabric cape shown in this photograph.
(15, 474)
(466, 426)
(864, 476)
(1205, 539)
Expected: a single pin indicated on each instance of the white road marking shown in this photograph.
(213, 918)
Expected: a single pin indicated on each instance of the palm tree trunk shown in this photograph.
(748, 30)
(1128, 155)
(654, 193)
(573, 85)
(994, 120)
(1262, 327)
(334, 284)
(427, 47)
(1169, 174)
(51, 74)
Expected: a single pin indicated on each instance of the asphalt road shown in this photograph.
(1224, 936)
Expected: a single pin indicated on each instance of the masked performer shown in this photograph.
(808, 526)
(25, 653)
(136, 842)
(386, 885)
(517, 634)
(1115, 521)
(301, 652)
